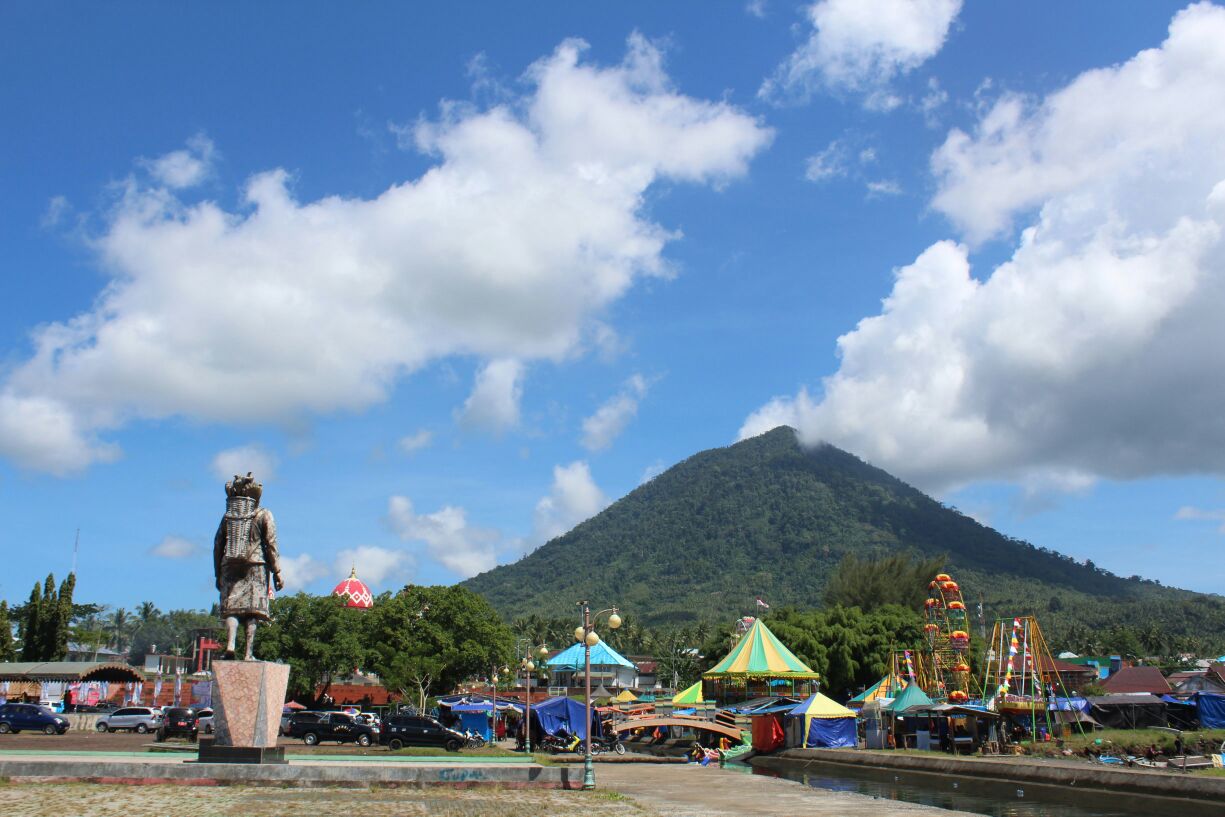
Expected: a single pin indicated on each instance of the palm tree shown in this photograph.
(120, 624)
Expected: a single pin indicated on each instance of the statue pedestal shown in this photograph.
(247, 700)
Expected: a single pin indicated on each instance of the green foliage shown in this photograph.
(8, 651)
(850, 648)
(318, 636)
(31, 646)
(767, 518)
(898, 578)
(431, 638)
(44, 621)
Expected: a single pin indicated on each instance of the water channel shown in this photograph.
(991, 797)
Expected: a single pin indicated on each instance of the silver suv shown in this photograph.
(137, 718)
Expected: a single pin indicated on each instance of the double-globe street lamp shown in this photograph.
(529, 668)
(586, 635)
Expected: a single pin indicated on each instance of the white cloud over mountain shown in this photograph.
(460, 547)
(611, 418)
(573, 498)
(529, 223)
(860, 45)
(493, 404)
(1096, 349)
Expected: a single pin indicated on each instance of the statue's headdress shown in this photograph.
(244, 486)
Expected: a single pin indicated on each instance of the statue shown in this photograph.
(244, 555)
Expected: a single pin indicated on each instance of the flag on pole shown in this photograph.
(762, 605)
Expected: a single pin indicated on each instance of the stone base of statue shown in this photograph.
(247, 700)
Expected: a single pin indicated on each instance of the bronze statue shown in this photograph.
(244, 555)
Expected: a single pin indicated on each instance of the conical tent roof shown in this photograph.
(759, 654)
(601, 693)
(819, 706)
(884, 688)
(689, 696)
(908, 697)
(602, 655)
(626, 697)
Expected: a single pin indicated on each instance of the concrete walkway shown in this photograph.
(695, 791)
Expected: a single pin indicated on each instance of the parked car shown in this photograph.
(178, 722)
(204, 721)
(330, 726)
(136, 718)
(399, 731)
(16, 717)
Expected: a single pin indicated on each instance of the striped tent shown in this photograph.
(824, 723)
(691, 696)
(885, 688)
(760, 655)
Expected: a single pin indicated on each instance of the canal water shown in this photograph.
(991, 797)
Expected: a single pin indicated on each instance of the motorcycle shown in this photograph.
(473, 740)
(610, 744)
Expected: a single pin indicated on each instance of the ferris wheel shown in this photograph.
(947, 630)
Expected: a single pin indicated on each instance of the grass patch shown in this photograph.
(607, 794)
(1133, 742)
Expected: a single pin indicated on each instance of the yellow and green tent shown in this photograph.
(887, 687)
(625, 697)
(826, 723)
(759, 654)
(691, 696)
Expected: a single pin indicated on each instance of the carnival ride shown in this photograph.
(1021, 675)
(948, 675)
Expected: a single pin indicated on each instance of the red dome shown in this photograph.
(354, 591)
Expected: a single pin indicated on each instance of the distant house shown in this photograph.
(1072, 677)
(1130, 680)
(647, 668)
(1211, 680)
(86, 652)
(608, 667)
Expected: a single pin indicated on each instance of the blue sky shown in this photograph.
(451, 279)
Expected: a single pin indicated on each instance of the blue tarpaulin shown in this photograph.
(1069, 704)
(831, 733)
(476, 722)
(1211, 710)
(558, 714)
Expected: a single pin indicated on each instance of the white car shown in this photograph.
(135, 718)
(204, 721)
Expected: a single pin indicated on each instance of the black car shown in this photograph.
(16, 717)
(417, 730)
(179, 722)
(335, 726)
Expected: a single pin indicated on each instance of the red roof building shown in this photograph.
(1137, 679)
(355, 592)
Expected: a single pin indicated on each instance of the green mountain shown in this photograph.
(767, 518)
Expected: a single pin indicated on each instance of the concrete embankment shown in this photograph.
(147, 772)
(1063, 773)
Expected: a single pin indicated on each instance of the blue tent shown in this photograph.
(1211, 710)
(826, 723)
(602, 655)
(557, 714)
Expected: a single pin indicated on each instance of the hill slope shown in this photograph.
(767, 517)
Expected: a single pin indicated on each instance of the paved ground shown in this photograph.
(696, 791)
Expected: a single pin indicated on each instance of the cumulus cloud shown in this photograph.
(1093, 350)
(174, 547)
(493, 404)
(574, 498)
(860, 45)
(181, 169)
(611, 418)
(297, 572)
(254, 458)
(416, 441)
(528, 224)
(460, 547)
(883, 187)
(374, 565)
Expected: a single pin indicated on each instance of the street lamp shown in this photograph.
(529, 667)
(586, 635)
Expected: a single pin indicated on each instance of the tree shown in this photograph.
(870, 583)
(428, 638)
(318, 636)
(120, 626)
(58, 644)
(7, 650)
(31, 627)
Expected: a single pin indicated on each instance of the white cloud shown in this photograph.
(655, 469)
(527, 226)
(860, 45)
(493, 404)
(416, 441)
(883, 187)
(1094, 350)
(830, 163)
(374, 565)
(573, 498)
(297, 572)
(174, 547)
(1188, 513)
(254, 458)
(611, 418)
(181, 169)
(57, 210)
(756, 8)
(449, 539)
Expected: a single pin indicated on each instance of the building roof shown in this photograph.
(602, 655)
(646, 667)
(1137, 679)
(68, 671)
(819, 706)
(1065, 667)
(759, 654)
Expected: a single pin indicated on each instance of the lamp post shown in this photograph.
(530, 669)
(586, 635)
